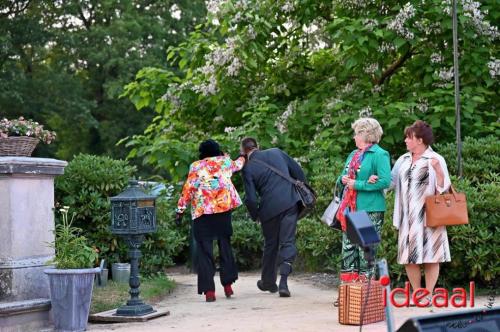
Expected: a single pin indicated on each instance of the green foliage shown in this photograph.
(86, 186)
(64, 64)
(247, 242)
(169, 241)
(72, 250)
(318, 246)
(297, 78)
(481, 158)
(475, 246)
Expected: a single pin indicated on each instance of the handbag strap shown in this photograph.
(277, 171)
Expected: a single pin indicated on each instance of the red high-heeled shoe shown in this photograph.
(210, 296)
(228, 291)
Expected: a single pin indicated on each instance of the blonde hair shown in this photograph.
(369, 129)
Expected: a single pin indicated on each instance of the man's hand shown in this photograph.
(178, 219)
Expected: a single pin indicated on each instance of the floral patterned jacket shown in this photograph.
(209, 188)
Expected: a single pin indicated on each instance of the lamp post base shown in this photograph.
(134, 310)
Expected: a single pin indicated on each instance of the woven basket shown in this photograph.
(353, 295)
(18, 146)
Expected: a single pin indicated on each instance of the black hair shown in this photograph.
(209, 148)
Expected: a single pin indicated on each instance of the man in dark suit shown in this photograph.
(272, 200)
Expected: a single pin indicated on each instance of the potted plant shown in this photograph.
(72, 279)
(19, 137)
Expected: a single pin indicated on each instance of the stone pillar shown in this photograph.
(26, 228)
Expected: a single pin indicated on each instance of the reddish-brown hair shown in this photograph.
(420, 129)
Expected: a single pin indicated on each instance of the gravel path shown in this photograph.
(309, 309)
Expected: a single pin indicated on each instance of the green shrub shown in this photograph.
(481, 158)
(88, 183)
(247, 242)
(318, 246)
(86, 186)
(160, 248)
(474, 247)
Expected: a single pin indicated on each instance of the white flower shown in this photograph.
(281, 121)
(354, 4)
(214, 6)
(371, 69)
(446, 74)
(423, 105)
(377, 89)
(397, 24)
(436, 58)
(347, 88)
(494, 68)
(330, 103)
(386, 47)
(234, 67)
(251, 33)
(287, 7)
(229, 130)
(207, 69)
(365, 112)
(219, 118)
(370, 23)
(326, 120)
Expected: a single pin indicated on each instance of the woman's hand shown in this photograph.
(350, 183)
(435, 164)
(345, 179)
(178, 219)
(439, 171)
(373, 179)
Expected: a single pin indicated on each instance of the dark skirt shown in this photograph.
(212, 226)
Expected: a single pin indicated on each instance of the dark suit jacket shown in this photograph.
(267, 194)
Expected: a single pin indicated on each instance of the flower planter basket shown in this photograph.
(21, 146)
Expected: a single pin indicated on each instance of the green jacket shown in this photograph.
(370, 196)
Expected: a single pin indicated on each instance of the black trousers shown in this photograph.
(208, 228)
(279, 244)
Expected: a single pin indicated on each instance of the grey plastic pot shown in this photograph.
(70, 296)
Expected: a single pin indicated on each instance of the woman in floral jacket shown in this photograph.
(212, 196)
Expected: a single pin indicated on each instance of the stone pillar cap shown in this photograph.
(31, 166)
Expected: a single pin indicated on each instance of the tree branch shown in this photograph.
(394, 67)
(17, 7)
(86, 21)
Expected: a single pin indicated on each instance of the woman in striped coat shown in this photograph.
(419, 173)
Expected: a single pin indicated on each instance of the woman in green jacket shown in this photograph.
(362, 193)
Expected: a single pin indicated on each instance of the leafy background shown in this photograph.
(293, 73)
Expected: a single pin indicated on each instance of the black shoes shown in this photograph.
(283, 289)
(284, 292)
(267, 288)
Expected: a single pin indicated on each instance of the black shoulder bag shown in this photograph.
(306, 193)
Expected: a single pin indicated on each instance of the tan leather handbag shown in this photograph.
(447, 209)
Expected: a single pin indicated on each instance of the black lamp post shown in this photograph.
(133, 214)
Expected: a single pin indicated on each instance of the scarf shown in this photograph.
(349, 196)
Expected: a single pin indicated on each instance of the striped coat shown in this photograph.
(418, 244)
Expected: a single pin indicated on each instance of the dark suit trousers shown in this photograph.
(279, 244)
